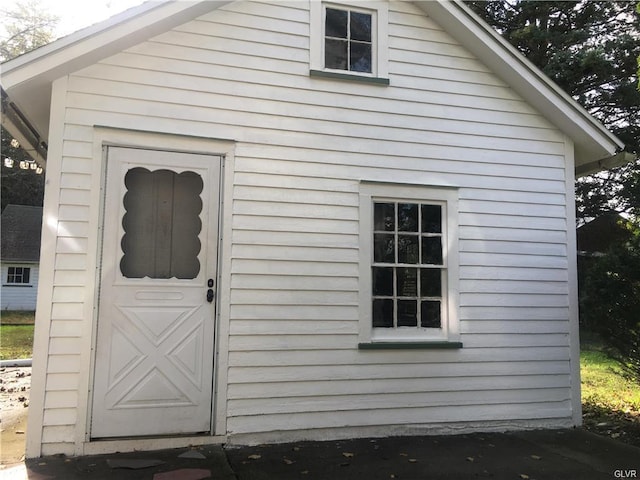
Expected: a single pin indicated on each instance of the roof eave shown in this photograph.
(27, 79)
(620, 158)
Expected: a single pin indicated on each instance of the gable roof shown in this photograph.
(21, 226)
(27, 79)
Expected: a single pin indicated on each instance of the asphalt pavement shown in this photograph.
(531, 455)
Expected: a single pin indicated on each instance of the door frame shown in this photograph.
(225, 149)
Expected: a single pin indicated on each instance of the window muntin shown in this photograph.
(348, 40)
(18, 275)
(408, 272)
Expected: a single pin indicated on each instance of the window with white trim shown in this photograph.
(18, 275)
(349, 38)
(408, 264)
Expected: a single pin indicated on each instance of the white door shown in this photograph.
(155, 339)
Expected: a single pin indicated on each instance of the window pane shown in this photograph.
(335, 54)
(407, 282)
(383, 248)
(407, 217)
(431, 219)
(161, 224)
(432, 250)
(430, 313)
(25, 275)
(360, 57)
(336, 23)
(361, 26)
(384, 217)
(407, 313)
(382, 281)
(408, 249)
(430, 282)
(383, 313)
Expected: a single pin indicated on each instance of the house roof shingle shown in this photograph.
(21, 226)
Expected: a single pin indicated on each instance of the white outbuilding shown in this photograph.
(278, 220)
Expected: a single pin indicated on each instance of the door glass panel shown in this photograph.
(161, 224)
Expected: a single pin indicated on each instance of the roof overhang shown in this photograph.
(26, 80)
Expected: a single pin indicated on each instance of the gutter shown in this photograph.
(606, 163)
(14, 121)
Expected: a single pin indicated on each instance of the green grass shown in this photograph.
(603, 383)
(610, 401)
(16, 334)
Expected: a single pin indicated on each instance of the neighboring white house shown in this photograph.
(19, 256)
(269, 221)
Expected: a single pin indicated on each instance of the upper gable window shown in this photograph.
(349, 40)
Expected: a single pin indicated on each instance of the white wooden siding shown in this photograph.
(303, 146)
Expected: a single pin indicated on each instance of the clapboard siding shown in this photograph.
(303, 145)
(302, 389)
(397, 416)
(295, 357)
(405, 400)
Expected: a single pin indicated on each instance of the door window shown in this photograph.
(161, 224)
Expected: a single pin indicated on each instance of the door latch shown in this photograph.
(210, 290)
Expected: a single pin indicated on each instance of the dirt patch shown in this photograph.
(616, 424)
(15, 386)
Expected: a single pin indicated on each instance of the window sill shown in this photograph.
(349, 77)
(410, 346)
(21, 285)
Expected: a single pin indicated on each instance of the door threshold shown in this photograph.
(128, 444)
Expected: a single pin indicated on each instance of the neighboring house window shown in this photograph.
(409, 265)
(350, 38)
(18, 275)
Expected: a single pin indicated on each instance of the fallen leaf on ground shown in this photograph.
(470, 459)
(347, 454)
(536, 457)
(254, 457)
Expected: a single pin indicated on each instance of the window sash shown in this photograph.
(403, 291)
(348, 49)
(18, 275)
(445, 196)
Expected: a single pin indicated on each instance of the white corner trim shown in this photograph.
(44, 303)
(572, 258)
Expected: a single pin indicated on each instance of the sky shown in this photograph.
(77, 14)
